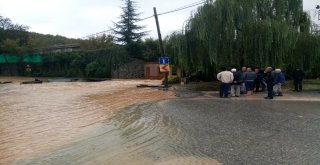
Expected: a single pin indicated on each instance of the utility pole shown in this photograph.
(161, 45)
(318, 8)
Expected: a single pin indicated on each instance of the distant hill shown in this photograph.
(48, 40)
(16, 39)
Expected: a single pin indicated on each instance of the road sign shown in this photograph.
(164, 60)
(164, 68)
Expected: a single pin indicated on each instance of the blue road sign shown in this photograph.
(164, 60)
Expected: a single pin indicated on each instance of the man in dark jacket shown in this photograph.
(236, 84)
(269, 79)
(258, 80)
(249, 78)
(298, 76)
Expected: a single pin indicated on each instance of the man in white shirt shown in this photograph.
(226, 78)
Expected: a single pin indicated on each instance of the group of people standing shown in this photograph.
(247, 81)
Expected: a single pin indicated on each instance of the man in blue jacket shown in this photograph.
(278, 81)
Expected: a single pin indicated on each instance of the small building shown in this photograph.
(62, 48)
(140, 69)
(131, 70)
(152, 71)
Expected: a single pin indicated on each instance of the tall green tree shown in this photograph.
(151, 51)
(245, 32)
(127, 31)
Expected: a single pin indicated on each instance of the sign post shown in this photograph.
(164, 64)
(161, 47)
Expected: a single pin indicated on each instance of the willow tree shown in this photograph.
(241, 32)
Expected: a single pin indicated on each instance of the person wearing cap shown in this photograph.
(236, 84)
(226, 78)
(278, 81)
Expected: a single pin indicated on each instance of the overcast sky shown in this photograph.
(79, 18)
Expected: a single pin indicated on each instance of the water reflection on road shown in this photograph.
(58, 123)
(133, 136)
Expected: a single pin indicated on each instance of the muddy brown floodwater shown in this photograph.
(87, 123)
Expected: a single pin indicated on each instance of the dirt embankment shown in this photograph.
(130, 95)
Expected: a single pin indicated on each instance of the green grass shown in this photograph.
(310, 84)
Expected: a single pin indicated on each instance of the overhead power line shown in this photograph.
(164, 13)
(182, 8)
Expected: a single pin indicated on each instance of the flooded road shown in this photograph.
(137, 135)
(113, 122)
(79, 123)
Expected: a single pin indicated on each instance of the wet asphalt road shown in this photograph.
(250, 131)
